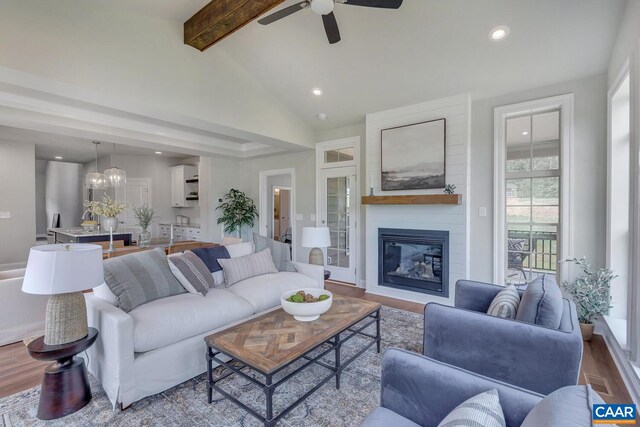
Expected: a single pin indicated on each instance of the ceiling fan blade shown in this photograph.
(385, 4)
(331, 27)
(283, 13)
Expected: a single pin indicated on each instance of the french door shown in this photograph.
(338, 202)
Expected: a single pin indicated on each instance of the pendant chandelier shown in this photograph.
(115, 176)
(96, 180)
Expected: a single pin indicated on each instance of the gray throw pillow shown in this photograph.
(139, 278)
(238, 269)
(280, 252)
(568, 407)
(505, 304)
(481, 410)
(191, 272)
(542, 302)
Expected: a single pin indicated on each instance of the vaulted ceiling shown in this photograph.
(425, 50)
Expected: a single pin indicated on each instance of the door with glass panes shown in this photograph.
(338, 189)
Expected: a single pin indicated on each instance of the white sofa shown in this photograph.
(161, 344)
(21, 315)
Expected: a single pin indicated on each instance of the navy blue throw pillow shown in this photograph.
(210, 256)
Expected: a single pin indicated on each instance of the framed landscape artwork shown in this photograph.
(413, 156)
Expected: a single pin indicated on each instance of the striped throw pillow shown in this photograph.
(191, 272)
(505, 304)
(238, 269)
(481, 410)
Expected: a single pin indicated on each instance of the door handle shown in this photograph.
(323, 221)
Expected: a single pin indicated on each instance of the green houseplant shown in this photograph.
(145, 215)
(591, 294)
(238, 211)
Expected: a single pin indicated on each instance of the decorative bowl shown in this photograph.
(306, 311)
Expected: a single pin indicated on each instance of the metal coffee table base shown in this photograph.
(268, 386)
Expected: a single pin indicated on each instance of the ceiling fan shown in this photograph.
(325, 8)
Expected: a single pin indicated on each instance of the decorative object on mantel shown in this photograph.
(63, 271)
(419, 199)
(96, 180)
(115, 177)
(413, 156)
(316, 238)
(238, 211)
(449, 189)
(591, 293)
(145, 215)
(108, 209)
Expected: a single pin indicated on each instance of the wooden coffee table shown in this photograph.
(272, 342)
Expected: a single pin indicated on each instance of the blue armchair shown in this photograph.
(530, 356)
(419, 391)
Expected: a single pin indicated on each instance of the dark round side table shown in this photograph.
(65, 386)
(327, 274)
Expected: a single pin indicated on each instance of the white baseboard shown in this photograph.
(619, 355)
(12, 266)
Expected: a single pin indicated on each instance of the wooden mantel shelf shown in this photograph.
(424, 199)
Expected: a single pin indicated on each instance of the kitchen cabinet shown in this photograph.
(181, 189)
(180, 233)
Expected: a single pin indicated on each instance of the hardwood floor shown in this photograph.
(20, 372)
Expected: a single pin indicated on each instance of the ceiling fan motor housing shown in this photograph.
(322, 7)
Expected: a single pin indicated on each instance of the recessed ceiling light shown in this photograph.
(525, 133)
(58, 157)
(316, 91)
(322, 116)
(158, 152)
(499, 33)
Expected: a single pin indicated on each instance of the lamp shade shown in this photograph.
(316, 237)
(63, 268)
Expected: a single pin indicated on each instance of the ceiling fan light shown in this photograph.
(322, 7)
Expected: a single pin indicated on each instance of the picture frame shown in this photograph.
(413, 157)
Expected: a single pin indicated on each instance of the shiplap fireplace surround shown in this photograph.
(452, 218)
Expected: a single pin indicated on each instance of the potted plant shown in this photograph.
(145, 215)
(591, 294)
(238, 211)
(108, 209)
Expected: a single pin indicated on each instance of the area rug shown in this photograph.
(186, 404)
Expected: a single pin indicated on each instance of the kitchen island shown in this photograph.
(79, 235)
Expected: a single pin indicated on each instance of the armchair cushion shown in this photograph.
(569, 406)
(542, 303)
(482, 409)
(383, 417)
(505, 304)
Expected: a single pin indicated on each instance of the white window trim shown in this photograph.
(321, 147)
(565, 104)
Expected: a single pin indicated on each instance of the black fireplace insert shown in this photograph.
(414, 260)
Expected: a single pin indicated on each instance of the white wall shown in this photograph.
(453, 218)
(17, 196)
(95, 51)
(628, 40)
(589, 178)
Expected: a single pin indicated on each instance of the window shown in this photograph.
(532, 195)
(532, 223)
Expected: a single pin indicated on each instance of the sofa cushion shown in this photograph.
(141, 277)
(211, 255)
(264, 292)
(191, 272)
(280, 252)
(104, 293)
(240, 249)
(505, 304)
(383, 417)
(568, 406)
(480, 410)
(238, 269)
(170, 320)
(542, 302)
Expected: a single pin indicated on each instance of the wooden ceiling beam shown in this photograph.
(220, 18)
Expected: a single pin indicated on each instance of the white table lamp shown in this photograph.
(316, 238)
(63, 271)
